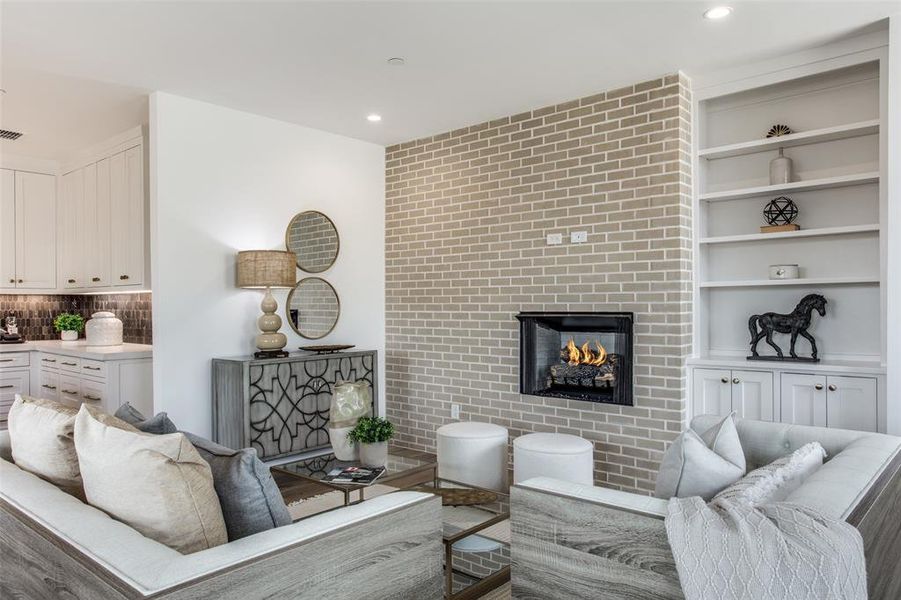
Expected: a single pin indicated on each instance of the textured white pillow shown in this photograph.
(701, 465)
(775, 481)
(157, 484)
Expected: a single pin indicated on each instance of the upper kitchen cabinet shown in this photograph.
(127, 217)
(27, 230)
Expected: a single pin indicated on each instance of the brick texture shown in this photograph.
(467, 213)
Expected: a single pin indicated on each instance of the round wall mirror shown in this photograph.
(313, 238)
(313, 308)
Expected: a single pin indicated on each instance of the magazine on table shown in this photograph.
(354, 475)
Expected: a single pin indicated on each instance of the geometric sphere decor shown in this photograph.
(781, 211)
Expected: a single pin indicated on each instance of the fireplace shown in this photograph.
(576, 355)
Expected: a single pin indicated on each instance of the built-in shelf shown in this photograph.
(802, 233)
(827, 134)
(731, 361)
(797, 186)
(795, 282)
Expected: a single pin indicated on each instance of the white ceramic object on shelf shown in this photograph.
(104, 329)
(68, 336)
(783, 271)
(343, 448)
(374, 455)
(780, 170)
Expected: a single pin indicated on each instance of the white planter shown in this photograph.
(374, 455)
(341, 446)
(68, 336)
(104, 329)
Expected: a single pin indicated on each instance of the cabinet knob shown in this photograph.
(832, 388)
(818, 386)
(123, 277)
(95, 279)
(725, 380)
(13, 280)
(21, 281)
(736, 380)
(71, 281)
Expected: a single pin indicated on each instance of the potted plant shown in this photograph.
(372, 435)
(69, 325)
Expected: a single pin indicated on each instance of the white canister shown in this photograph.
(783, 271)
(104, 329)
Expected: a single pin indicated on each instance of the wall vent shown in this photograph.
(6, 134)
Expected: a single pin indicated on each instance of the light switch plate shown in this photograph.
(578, 237)
(554, 239)
(455, 411)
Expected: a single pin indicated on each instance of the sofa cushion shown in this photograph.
(41, 435)
(159, 423)
(251, 501)
(775, 481)
(158, 484)
(701, 465)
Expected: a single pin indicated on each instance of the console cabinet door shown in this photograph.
(711, 392)
(851, 403)
(35, 230)
(752, 395)
(803, 399)
(7, 228)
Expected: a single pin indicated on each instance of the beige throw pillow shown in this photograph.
(157, 484)
(41, 437)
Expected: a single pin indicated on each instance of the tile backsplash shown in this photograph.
(35, 313)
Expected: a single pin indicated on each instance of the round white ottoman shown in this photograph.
(557, 455)
(473, 453)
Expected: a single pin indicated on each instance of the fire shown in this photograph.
(585, 355)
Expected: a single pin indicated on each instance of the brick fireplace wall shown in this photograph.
(467, 213)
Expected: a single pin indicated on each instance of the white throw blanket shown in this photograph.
(779, 551)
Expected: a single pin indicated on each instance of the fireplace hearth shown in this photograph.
(576, 355)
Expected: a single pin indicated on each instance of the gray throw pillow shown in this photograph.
(251, 501)
(159, 423)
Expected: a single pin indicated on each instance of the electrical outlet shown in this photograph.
(455, 411)
(554, 239)
(578, 237)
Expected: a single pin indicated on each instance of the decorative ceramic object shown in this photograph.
(350, 402)
(779, 130)
(267, 269)
(343, 448)
(780, 169)
(374, 455)
(104, 329)
(783, 271)
(68, 336)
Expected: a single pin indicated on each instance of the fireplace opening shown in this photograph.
(582, 356)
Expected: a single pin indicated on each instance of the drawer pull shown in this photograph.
(832, 388)
(49, 387)
(71, 281)
(123, 277)
(95, 279)
(7, 360)
(74, 392)
(50, 360)
(90, 397)
(91, 368)
(6, 387)
(70, 364)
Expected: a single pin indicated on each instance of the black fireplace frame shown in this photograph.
(608, 322)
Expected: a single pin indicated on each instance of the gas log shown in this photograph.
(585, 375)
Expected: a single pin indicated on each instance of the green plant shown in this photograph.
(69, 322)
(371, 430)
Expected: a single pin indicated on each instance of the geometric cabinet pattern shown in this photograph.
(281, 406)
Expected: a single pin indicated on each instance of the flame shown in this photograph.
(585, 355)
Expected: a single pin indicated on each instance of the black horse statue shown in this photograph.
(795, 323)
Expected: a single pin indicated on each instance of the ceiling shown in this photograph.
(79, 72)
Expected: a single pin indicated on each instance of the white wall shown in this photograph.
(893, 283)
(222, 181)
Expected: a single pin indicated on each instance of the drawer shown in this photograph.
(11, 360)
(93, 368)
(93, 392)
(49, 386)
(49, 361)
(10, 385)
(69, 387)
(68, 364)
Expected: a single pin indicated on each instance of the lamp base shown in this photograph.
(270, 354)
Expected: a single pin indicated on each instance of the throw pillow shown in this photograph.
(157, 484)
(251, 501)
(41, 436)
(701, 465)
(775, 481)
(159, 423)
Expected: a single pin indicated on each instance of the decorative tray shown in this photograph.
(327, 349)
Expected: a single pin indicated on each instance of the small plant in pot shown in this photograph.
(372, 435)
(69, 325)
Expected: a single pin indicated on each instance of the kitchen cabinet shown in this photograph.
(71, 230)
(96, 227)
(721, 391)
(127, 217)
(14, 379)
(28, 230)
(830, 401)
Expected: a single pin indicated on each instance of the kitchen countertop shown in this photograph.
(80, 349)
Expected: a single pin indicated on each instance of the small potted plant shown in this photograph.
(372, 435)
(69, 325)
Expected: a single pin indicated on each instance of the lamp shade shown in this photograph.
(266, 268)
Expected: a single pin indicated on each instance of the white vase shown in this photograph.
(374, 455)
(343, 448)
(68, 336)
(104, 329)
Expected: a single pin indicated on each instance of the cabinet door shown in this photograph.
(803, 399)
(71, 231)
(127, 217)
(35, 230)
(711, 392)
(49, 385)
(7, 228)
(851, 403)
(97, 224)
(752, 395)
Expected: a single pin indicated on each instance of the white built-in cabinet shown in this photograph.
(27, 230)
(830, 401)
(721, 391)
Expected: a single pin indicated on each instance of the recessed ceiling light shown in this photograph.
(396, 61)
(717, 12)
(374, 118)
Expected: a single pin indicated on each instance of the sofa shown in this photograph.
(54, 546)
(576, 541)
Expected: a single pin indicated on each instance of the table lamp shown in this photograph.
(267, 269)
